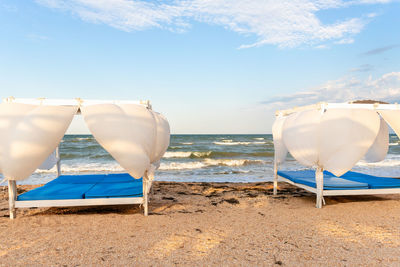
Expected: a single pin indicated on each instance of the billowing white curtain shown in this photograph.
(345, 137)
(300, 136)
(377, 152)
(392, 117)
(162, 137)
(28, 135)
(279, 147)
(129, 133)
(334, 140)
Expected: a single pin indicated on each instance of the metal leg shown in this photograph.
(275, 179)
(12, 196)
(58, 161)
(145, 197)
(319, 179)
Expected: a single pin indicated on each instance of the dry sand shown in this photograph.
(208, 224)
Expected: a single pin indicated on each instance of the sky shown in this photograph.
(210, 66)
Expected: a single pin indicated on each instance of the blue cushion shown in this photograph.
(56, 191)
(94, 185)
(120, 178)
(78, 179)
(111, 190)
(331, 182)
(374, 182)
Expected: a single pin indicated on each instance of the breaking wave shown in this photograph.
(214, 154)
(232, 143)
(209, 163)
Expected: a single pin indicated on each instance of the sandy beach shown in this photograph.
(213, 224)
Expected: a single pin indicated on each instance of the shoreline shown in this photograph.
(208, 224)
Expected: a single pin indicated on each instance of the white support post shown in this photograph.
(58, 161)
(275, 178)
(319, 180)
(12, 196)
(145, 195)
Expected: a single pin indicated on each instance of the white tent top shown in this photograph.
(335, 136)
(31, 129)
(348, 105)
(71, 102)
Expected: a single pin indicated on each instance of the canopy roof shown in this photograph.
(31, 129)
(335, 136)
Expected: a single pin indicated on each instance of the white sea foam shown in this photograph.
(209, 163)
(259, 138)
(385, 163)
(238, 143)
(177, 154)
(86, 167)
(232, 143)
(182, 165)
(83, 138)
(115, 167)
(232, 162)
(186, 154)
(393, 144)
(187, 143)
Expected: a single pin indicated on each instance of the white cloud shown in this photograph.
(285, 23)
(345, 41)
(385, 88)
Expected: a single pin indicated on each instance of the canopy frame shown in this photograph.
(319, 172)
(12, 185)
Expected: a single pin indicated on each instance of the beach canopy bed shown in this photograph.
(331, 138)
(32, 129)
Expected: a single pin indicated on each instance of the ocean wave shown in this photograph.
(209, 163)
(233, 172)
(187, 143)
(181, 165)
(88, 167)
(259, 138)
(214, 154)
(177, 154)
(393, 144)
(238, 143)
(233, 162)
(174, 147)
(385, 163)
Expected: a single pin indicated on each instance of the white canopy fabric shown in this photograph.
(334, 140)
(135, 136)
(345, 137)
(377, 152)
(31, 129)
(162, 137)
(300, 136)
(28, 134)
(280, 148)
(392, 117)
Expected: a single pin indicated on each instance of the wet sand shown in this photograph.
(208, 224)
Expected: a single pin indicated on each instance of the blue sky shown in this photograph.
(211, 66)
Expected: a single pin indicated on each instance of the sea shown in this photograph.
(200, 158)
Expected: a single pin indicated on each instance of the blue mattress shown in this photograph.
(87, 186)
(348, 181)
